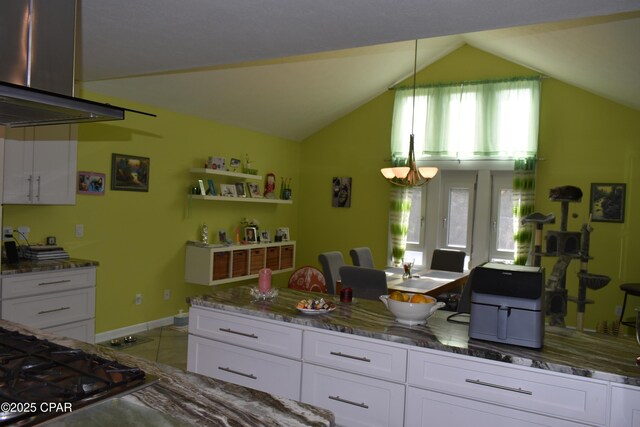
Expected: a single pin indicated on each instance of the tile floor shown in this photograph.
(167, 345)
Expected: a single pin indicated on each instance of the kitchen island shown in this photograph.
(191, 399)
(577, 378)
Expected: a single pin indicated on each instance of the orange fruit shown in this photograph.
(395, 295)
(406, 297)
(420, 299)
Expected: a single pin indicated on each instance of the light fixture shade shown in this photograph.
(397, 172)
(428, 172)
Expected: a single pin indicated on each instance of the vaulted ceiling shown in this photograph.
(290, 67)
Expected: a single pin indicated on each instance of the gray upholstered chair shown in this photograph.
(448, 260)
(361, 257)
(366, 283)
(331, 263)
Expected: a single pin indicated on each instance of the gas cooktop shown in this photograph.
(40, 380)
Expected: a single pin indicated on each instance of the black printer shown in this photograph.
(507, 304)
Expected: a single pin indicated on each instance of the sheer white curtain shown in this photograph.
(497, 120)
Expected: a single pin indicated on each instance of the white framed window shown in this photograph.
(502, 243)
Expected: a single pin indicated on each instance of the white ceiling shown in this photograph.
(290, 67)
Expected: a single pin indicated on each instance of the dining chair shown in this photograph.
(362, 257)
(308, 279)
(331, 263)
(448, 260)
(366, 283)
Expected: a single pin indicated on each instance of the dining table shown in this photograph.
(425, 281)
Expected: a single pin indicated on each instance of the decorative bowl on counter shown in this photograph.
(412, 313)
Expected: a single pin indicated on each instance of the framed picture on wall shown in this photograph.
(129, 173)
(91, 183)
(607, 202)
(341, 194)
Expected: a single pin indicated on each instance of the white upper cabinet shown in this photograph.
(40, 165)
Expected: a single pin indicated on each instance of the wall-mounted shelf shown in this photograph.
(216, 264)
(224, 173)
(241, 199)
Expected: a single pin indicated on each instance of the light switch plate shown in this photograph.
(79, 230)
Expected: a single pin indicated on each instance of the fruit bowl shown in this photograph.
(412, 313)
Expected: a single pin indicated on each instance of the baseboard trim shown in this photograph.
(133, 329)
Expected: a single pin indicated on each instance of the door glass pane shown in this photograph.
(415, 217)
(505, 222)
(458, 217)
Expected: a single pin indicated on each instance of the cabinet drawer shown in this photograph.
(427, 408)
(255, 334)
(240, 266)
(355, 355)
(249, 368)
(82, 331)
(20, 285)
(45, 310)
(516, 387)
(354, 399)
(273, 258)
(257, 260)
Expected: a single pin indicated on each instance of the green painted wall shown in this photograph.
(139, 238)
(583, 139)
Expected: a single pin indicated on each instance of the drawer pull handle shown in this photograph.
(57, 282)
(350, 402)
(231, 331)
(501, 387)
(54, 310)
(348, 356)
(253, 377)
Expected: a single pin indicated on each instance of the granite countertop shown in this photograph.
(195, 399)
(567, 351)
(27, 266)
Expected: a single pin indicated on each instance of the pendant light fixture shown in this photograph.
(410, 175)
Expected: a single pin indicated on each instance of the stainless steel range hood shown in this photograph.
(37, 63)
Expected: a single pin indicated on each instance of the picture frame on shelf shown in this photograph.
(222, 236)
(283, 233)
(607, 202)
(251, 234)
(270, 186)
(227, 190)
(130, 173)
(265, 237)
(240, 189)
(253, 189)
(234, 164)
(91, 183)
(218, 163)
(203, 190)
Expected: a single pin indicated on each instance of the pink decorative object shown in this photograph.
(264, 280)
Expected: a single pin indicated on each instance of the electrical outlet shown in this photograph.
(79, 230)
(618, 310)
(138, 299)
(167, 294)
(7, 232)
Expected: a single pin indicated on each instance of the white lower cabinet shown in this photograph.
(249, 368)
(60, 301)
(355, 400)
(501, 385)
(625, 406)
(255, 353)
(370, 382)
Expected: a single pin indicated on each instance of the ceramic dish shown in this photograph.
(318, 311)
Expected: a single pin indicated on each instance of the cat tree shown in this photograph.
(566, 245)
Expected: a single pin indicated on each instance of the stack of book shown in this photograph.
(44, 252)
